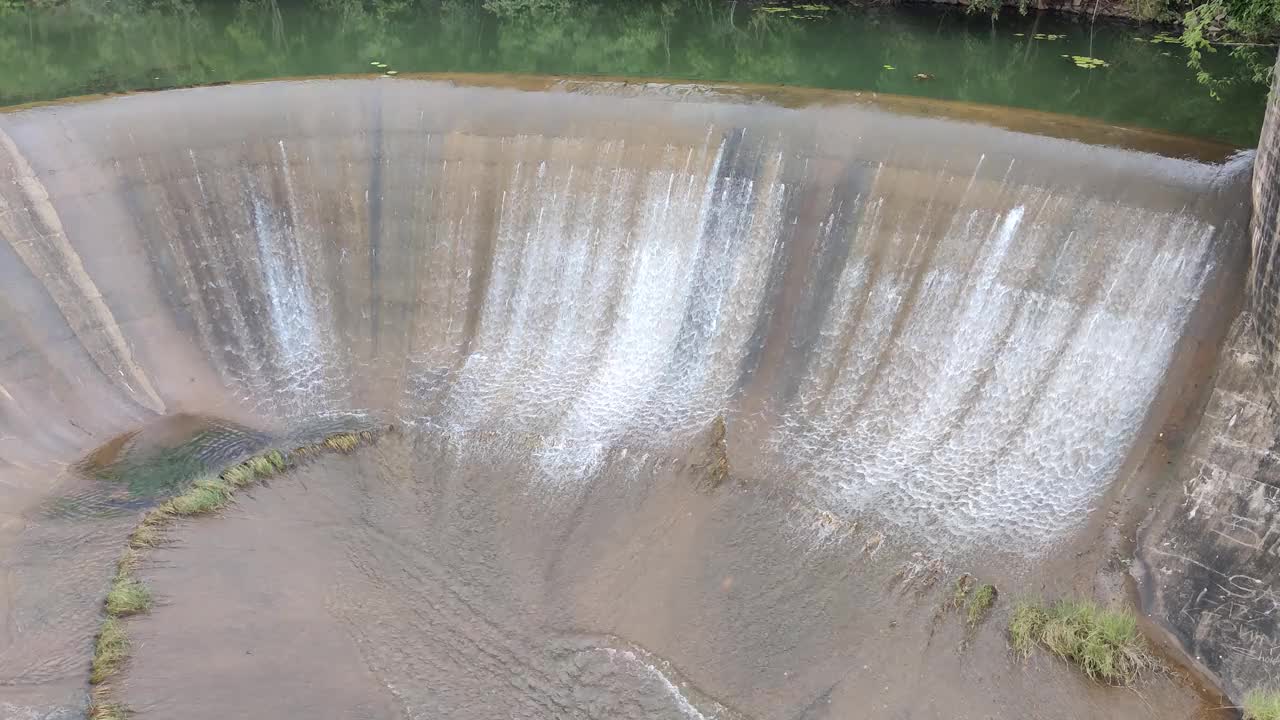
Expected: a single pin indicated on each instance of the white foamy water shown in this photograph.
(962, 344)
(979, 370)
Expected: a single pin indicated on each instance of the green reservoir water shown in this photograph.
(87, 46)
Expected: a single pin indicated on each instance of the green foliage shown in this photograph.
(987, 7)
(511, 8)
(1149, 10)
(1250, 28)
(1104, 643)
(1252, 24)
(1262, 704)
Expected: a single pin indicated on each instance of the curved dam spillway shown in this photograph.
(919, 340)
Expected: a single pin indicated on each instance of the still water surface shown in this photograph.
(939, 52)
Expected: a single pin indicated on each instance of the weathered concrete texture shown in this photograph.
(1265, 270)
(1209, 561)
(949, 328)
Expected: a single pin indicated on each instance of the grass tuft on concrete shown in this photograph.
(979, 604)
(107, 711)
(239, 476)
(110, 651)
(203, 497)
(1262, 704)
(972, 600)
(343, 442)
(1102, 642)
(127, 596)
(146, 535)
(1026, 627)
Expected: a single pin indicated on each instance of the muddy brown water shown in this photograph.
(930, 340)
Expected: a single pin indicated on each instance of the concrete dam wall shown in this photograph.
(1266, 229)
(1207, 562)
(946, 330)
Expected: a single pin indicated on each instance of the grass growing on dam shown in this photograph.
(974, 601)
(107, 711)
(1262, 704)
(979, 604)
(1102, 642)
(129, 595)
(110, 651)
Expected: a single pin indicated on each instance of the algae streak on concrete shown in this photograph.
(938, 334)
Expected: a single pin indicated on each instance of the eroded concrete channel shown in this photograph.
(704, 396)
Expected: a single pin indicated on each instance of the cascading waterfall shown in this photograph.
(953, 333)
(961, 339)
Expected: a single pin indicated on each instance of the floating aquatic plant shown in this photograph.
(808, 11)
(1088, 63)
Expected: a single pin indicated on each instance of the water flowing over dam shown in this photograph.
(947, 330)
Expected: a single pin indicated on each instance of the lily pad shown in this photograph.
(1088, 63)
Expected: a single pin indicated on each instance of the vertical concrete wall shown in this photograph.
(1266, 233)
(1208, 565)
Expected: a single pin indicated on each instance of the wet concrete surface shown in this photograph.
(934, 344)
(419, 578)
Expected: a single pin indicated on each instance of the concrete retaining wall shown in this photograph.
(1264, 282)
